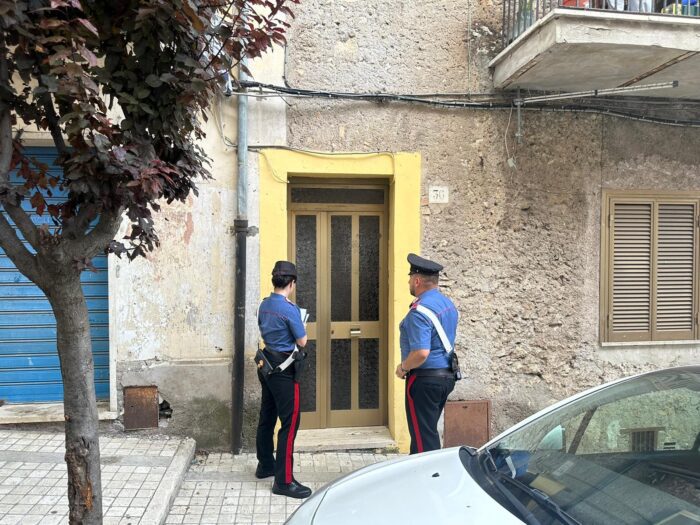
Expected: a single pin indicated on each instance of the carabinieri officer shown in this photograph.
(281, 328)
(425, 364)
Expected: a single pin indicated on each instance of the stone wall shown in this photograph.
(525, 270)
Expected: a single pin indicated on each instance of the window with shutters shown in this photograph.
(649, 269)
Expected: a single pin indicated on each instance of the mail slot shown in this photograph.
(355, 332)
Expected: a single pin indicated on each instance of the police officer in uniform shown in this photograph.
(281, 328)
(425, 364)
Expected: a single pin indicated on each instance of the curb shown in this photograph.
(159, 506)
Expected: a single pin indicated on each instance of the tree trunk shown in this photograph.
(80, 405)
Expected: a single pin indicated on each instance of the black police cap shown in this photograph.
(284, 268)
(422, 265)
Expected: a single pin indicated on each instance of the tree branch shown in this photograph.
(6, 143)
(19, 216)
(18, 254)
(54, 126)
(9, 242)
(24, 222)
(98, 238)
(211, 35)
(223, 43)
(75, 227)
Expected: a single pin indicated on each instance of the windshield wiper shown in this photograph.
(488, 454)
(524, 512)
(540, 497)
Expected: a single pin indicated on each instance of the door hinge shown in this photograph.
(609, 219)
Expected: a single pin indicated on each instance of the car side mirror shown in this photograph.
(554, 440)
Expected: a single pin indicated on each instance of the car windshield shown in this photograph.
(627, 454)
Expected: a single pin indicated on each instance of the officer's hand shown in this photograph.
(400, 373)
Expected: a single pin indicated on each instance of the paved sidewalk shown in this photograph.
(153, 480)
(140, 477)
(221, 488)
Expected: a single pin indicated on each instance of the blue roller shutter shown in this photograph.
(29, 366)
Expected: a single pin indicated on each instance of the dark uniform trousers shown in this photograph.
(280, 398)
(425, 399)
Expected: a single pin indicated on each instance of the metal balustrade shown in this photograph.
(519, 15)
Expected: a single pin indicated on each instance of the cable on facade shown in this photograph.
(490, 102)
(320, 154)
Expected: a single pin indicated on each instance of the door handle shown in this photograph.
(355, 332)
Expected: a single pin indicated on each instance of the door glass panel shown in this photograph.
(369, 264)
(340, 374)
(369, 373)
(307, 385)
(341, 268)
(305, 258)
(338, 195)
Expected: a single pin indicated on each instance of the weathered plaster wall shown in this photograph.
(171, 314)
(525, 270)
(267, 120)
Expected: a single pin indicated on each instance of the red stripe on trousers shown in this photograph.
(290, 436)
(414, 418)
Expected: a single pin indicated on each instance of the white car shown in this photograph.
(626, 452)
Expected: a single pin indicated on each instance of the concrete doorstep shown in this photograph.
(141, 477)
(345, 439)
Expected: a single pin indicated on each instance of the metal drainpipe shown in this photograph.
(241, 230)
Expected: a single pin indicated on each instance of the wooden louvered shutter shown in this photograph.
(675, 269)
(630, 311)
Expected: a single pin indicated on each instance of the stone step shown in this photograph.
(344, 439)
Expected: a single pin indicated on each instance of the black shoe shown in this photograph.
(291, 490)
(262, 473)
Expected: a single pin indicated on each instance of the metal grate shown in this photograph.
(643, 440)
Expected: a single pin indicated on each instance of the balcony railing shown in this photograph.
(519, 15)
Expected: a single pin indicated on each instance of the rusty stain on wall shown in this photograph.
(189, 228)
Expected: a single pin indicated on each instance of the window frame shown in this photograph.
(610, 198)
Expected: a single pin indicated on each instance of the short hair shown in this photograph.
(282, 281)
(433, 278)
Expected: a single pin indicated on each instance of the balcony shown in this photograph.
(574, 46)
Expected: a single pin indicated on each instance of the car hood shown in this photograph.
(426, 488)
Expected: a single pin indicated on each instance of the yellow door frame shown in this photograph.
(402, 171)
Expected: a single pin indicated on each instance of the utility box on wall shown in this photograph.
(140, 407)
(467, 423)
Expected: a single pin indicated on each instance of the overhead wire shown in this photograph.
(489, 101)
(319, 154)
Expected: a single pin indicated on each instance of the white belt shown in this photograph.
(287, 362)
